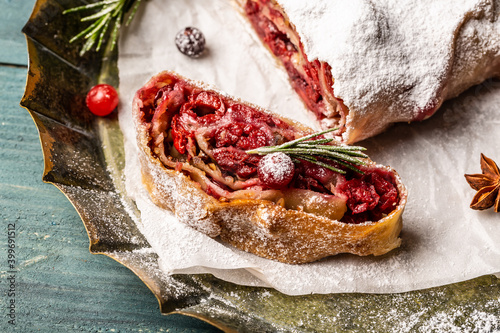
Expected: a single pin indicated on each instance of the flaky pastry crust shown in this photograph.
(383, 73)
(258, 226)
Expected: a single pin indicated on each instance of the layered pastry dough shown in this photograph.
(192, 142)
(362, 65)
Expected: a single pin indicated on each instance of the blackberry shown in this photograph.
(190, 41)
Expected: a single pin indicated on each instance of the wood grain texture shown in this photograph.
(13, 15)
(60, 286)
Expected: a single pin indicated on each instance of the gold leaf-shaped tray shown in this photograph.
(84, 158)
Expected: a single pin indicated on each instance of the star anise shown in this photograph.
(486, 184)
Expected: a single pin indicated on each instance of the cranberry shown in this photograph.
(190, 41)
(102, 99)
(276, 170)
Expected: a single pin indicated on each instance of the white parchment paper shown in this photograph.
(444, 241)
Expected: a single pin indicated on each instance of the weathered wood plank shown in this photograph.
(60, 286)
(13, 16)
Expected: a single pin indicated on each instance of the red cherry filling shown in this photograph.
(361, 195)
(241, 135)
(369, 197)
(206, 135)
(228, 135)
(307, 85)
(276, 170)
(236, 161)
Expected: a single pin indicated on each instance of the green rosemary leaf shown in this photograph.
(98, 14)
(340, 149)
(328, 166)
(344, 157)
(106, 22)
(118, 10)
(89, 6)
(346, 165)
(322, 153)
(263, 150)
(102, 34)
(132, 12)
(350, 166)
(319, 152)
(84, 32)
(114, 33)
(88, 44)
(350, 153)
(98, 25)
(305, 157)
(316, 142)
(307, 137)
(315, 161)
(355, 154)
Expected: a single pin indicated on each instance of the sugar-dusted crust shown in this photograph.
(395, 61)
(258, 226)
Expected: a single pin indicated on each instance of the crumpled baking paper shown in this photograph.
(444, 241)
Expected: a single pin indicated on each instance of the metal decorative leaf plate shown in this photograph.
(84, 158)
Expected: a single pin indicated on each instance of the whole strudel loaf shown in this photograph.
(364, 65)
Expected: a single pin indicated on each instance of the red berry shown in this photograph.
(102, 99)
(276, 170)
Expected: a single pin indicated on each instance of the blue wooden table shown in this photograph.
(52, 283)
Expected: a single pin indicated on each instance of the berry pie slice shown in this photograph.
(363, 65)
(203, 156)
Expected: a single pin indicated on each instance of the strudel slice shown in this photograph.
(194, 147)
(363, 65)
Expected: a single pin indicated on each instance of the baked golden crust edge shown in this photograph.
(262, 227)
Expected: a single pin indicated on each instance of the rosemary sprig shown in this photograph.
(106, 21)
(317, 151)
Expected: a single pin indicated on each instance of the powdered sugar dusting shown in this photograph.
(276, 169)
(440, 233)
(400, 56)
